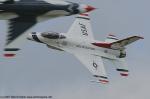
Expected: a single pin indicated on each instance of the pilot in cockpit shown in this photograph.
(52, 35)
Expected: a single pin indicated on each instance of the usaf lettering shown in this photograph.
(83, 29)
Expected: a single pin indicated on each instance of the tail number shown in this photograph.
(83, 29)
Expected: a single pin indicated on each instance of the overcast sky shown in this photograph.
(37, 70)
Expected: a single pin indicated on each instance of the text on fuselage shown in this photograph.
(85, 47)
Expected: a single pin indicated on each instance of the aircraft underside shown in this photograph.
(80, 42)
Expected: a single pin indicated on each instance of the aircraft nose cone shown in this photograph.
(34, 37)
(29, 37)
(83, 8)
(89, 8)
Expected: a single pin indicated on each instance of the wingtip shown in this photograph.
(124, 74)
(141, 37)
(11, 49)
(10, 52)
(9, 55)
(104, 81)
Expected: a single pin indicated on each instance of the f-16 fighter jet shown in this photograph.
(24, 14)
(80, 42)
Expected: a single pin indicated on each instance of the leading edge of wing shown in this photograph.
(16, 29)
(17, 26)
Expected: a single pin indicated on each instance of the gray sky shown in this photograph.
(38, 70)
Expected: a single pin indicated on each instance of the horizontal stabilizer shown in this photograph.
(124, 42)
(118, 45)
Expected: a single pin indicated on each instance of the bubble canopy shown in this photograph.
(52, 35)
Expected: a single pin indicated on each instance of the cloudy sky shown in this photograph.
(38, 70)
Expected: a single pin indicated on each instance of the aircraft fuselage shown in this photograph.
(38, 9)
(77, 44)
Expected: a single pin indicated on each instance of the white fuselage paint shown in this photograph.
(81, 46)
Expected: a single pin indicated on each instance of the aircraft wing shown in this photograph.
(81, 28)
(121, 66)
(16, 29)
(17, 26)
(95, 66)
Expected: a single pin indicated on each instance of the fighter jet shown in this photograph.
(24, 14)
(80, 42)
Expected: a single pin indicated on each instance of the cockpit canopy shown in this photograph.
(52, 35)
